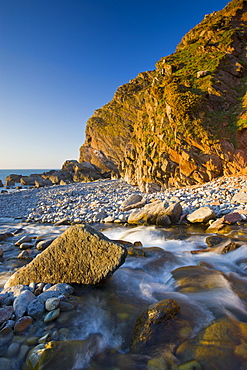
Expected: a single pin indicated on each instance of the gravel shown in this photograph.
(100, 200)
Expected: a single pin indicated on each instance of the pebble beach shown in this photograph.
(101, 201)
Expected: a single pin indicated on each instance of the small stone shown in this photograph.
(22, 324)
(25, 246)
(52, 315)
(52, 304)
(36, 308)
(5, 313)
(24, 239)
(43, 244)
(25, 255)
(13, 349)
(21, 302)
(65, 306)
(45, 338)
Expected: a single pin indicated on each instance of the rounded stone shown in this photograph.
(52, 303)
(52, 315)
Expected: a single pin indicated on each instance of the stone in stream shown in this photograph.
(22, 324)
(43, 244)
(228, 219)
(72, 354)
(154, 315)
(80, 255)
(24, 239)
(52, 315)
(203, 214)
(154, 213)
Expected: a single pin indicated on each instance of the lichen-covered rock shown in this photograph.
(80, 255)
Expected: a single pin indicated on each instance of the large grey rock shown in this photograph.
(154, 213)
(203, 214)
(80, 255)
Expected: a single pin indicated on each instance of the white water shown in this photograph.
(106, 315)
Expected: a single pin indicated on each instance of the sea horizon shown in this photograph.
(22, 171)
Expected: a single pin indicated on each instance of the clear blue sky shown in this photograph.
(62, 59)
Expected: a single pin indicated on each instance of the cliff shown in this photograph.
(186, 121)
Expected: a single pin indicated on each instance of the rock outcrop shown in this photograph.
(80, 255)
(185, 122)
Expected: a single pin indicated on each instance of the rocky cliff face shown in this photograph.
(185, 122)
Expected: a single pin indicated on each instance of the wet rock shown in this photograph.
(25, 255)
(158, 313)
(22, 324)
(203, 214)
(214, 240)
(50, 356)
(22, 301)
(197, 278)
(43, 244)
(5, 235)
(8, 364)
(80, 255)
(65, 306)
(228, 219)
(25, 246)
(52, 315)
(13, 349)
(5, 313)
(24, 239)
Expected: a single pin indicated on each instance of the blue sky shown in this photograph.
(62, 59)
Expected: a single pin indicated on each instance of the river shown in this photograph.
(209, 332)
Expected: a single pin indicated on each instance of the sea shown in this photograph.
(23, 172)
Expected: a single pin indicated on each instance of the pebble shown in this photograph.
(102, 200)
(52, 315)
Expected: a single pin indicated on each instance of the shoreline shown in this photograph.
(100, 201)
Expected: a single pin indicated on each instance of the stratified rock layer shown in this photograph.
(80, 255)
(185, 122)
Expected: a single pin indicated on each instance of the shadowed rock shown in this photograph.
(80, 255)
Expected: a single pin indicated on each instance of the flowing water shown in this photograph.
(210, 330)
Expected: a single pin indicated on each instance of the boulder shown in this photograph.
(42, 182)
(203, 214)
(13, 177)
(158, 212)
(56, 176)
(240, 197)
(30, 180)
(146, 323)
(80, 255)
(229, 219)
(131, 200)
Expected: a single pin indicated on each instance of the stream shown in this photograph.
(181, 263)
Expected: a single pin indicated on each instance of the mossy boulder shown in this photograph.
(155, 315)
(81, 255)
